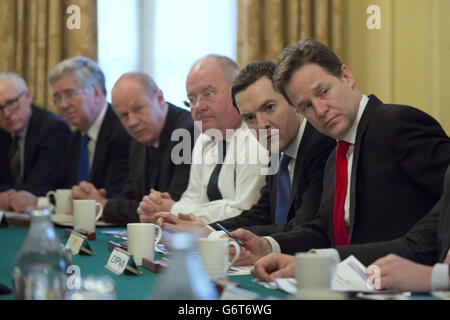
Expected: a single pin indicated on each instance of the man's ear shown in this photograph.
(347, 76)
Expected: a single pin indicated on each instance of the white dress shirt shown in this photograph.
(292, 151)
(240, 180)
(440, 276)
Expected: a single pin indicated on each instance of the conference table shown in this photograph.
(127, 287)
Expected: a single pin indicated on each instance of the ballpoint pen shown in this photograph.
(230, 235)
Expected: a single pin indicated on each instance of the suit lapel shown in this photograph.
(101, 145)
(360, 134)
(298, 160)
(30, 137)
(164, 140)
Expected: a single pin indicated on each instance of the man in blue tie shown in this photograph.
(98, 149)
(293, 193)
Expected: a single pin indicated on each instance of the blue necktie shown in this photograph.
(83, 164)
(283, 191)
(212, 191)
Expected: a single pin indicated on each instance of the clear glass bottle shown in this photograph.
(185, 278)
(39, 272)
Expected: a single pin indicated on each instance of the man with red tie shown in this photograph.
(386, 173)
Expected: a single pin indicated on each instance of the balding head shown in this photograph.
(208, 87)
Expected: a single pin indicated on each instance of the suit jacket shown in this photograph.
(427, 242)
(312, 154)
(110, 166)
(400, 157)
(166, 176)
(45, 142)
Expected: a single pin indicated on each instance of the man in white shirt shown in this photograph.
(219, 186)
(385, 175)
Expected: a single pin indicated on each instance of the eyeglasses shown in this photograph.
(11, 105)
(68, 94)
(208, 94)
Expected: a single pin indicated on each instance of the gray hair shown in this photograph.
(230, 69)
(18, 81)
(147, 83)
(87, 73)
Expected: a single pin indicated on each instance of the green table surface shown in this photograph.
(128, 287)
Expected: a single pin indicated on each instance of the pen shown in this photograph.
(230, 235)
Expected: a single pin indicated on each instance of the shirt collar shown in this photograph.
(23, 132)
(94, 130)
(292, 149)
(350, 137)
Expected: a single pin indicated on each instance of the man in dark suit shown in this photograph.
(387, 170)
(279, 128)
(151, 121)
(32, 140)
(98, 150)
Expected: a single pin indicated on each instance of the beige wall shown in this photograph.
(407, 61)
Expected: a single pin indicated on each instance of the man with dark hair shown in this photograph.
(151, 121)
(292, 196)
(33, 142)
(386, 172)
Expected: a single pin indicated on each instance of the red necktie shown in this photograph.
(340, 188)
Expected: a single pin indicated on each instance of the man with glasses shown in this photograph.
(228, 163)
(31, 139)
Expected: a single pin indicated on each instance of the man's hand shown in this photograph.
(5, 199)
(255, 247)
(87, 191)
(21, 200)
(153, 203)
(398, 273)
(182, 222)
(274, 265)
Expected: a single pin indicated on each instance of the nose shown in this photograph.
(262, 121)
(132, 120)
(320, 107)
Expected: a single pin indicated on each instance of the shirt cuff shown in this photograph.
(440, 277)
(275, 246)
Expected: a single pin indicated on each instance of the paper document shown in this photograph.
(351, 275)
(239, 271)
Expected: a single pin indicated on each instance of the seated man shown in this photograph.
(387, 171)
(32, 140)
(406, 266)
(292, 195)
(98, 150)
(152, 122)
(227, 170)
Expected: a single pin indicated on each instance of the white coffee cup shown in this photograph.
(215, 256)
(84, 214)
(314, 273)
(142, 238)
(62, 200)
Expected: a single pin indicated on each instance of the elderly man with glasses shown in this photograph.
(31, 139)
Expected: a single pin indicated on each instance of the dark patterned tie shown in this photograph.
(212, 190)
(283, 191)
(14, 164)
(83, 164)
